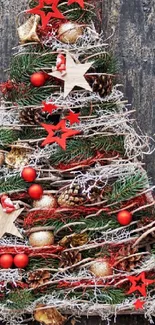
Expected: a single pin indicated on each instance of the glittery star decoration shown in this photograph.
(74, 75)
(139, 304)
(73, 117)
(49, 107)
(45, 18)
(58, 133)
(7, 222)
(80, 2)
(139, 287)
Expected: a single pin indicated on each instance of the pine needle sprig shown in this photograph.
(125, 189)
(12, 183)
(19, 299)
(8, 136)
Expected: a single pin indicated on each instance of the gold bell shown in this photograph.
(27, 31)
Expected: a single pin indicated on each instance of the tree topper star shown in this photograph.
(7, 222)
(45, 18)
(74, 75)
(136, 287)
(80, 2)
(59, 128)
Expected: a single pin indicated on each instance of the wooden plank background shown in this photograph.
(133, 44)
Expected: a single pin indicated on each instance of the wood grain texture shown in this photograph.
(133, 43)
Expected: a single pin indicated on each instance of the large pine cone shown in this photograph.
(125, 261)
(69, 258)
(102, 84)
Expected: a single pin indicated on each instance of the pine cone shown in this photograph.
(126, 262)
(75, 196)
(70, 258)
(32, 116)
(38, 278)
(72, 196)
(102, 84)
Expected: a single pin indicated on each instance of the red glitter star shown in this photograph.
(59, 128)
(45, 18)
(139, 304)
(49, 107)
(73, 117)
(80, 2)
(144, 282)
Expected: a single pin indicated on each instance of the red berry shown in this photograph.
(38, 79)
(6, 261)
(29, 174)
(21, 260)
(35, 191)
(124, 217)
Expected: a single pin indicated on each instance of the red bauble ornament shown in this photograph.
(124, 217)
(38, 79)
(35, 191)
(21, 260)
(29, 174)
(6, 261)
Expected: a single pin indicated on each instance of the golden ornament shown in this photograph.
(18, 156)
(41, 238)
(69, 32)
(48, 315)
(101, 267)
(46, 202)
(2, 159)
(27, 31)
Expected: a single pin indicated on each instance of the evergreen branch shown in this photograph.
(8, 136)
(12, 183)
(125, 189)
(19, 299)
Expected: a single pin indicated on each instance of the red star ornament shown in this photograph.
(73, 117)
(45, 18)
(80, 2)
(141, 288)
(139, 304)
(49, 107)
(64, 134)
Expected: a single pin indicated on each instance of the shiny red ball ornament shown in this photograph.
(124, 217)
(21, 260)
(6, 261)
(38, 79)
(35, 191)
(29, 174)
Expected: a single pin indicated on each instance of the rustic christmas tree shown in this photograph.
(77, 219)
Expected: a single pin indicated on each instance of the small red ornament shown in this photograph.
(135, 280)
(29, 174)
(139, 304)
(35, 191)
(73, 117)
(124, 217)
(38, 79)
(21, 260)
(7, 204)
(6, 261)
(49, 107)
(61, 63)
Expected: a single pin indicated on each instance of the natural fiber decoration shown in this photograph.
(28, 31)
(47, 315)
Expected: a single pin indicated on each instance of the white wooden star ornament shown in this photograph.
(7, 222)
(74, 75)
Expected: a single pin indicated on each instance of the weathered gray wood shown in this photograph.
(133, 44)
